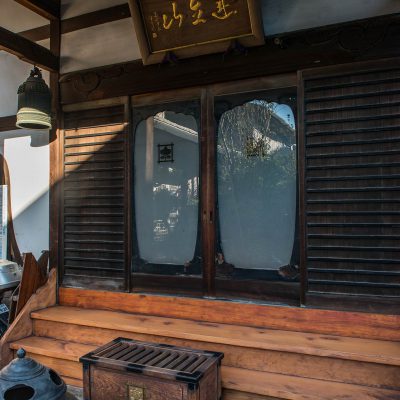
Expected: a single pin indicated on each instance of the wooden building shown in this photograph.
(244, 201)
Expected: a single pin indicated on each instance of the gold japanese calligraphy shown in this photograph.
(175, 16)
(222, 10)
(195, 6)
(183, 15)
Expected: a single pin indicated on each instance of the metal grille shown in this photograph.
(151, 355)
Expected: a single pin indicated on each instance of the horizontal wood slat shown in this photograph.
(94, 197)
(352, 185)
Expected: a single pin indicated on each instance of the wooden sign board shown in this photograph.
(190, 28)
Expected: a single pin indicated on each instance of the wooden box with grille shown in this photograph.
(126, 369)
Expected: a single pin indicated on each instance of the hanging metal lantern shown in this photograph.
(34, 103)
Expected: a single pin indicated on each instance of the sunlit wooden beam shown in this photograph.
(28, 51)
(46, 8)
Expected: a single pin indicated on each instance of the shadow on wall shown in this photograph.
(27, 156)
(31, 226)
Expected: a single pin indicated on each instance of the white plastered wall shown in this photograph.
(17, 18)
(28, 165)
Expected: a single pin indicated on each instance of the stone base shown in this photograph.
(74, 393)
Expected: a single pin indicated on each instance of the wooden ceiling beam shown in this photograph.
(36, 34)
(28, 51)
(45, 8)
(83, 21)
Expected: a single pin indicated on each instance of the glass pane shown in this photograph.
(167, 189)
(256, 188)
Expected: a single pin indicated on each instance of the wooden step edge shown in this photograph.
(228, 394)
(52, 348)
(66, 368)
(168, 331)
(297, 388)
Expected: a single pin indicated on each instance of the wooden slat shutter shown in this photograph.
(350, 185)
(95, 212)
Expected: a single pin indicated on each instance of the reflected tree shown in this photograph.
(256, 184)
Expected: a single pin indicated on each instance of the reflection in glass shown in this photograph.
(256, 186)
(166, 188)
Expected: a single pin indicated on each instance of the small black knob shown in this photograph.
(21, 353)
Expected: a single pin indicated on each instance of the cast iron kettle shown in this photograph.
(26, 379)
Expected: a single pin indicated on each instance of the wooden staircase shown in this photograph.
(259, 363)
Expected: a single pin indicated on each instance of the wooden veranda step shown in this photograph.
(64, 357)
(371, 351)
(324, 368)
(49, 352)
(52, 348)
